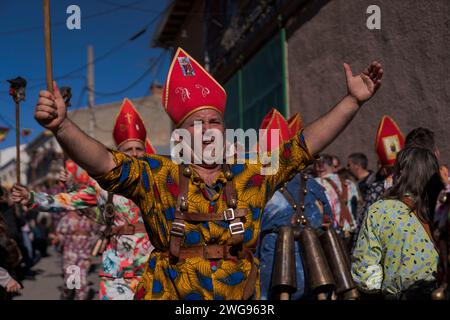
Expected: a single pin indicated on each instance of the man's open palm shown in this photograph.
(364, 85)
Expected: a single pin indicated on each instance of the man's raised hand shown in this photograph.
(50, 109)
(364, 85)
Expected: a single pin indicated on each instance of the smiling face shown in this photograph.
(133, 148)
(209, 119)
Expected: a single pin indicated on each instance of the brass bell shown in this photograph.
(284, 278)
(338, 261)
(294, 206)
(187, 172)
(305, 191)
(302, 207)
(317, 271)
(228, 175)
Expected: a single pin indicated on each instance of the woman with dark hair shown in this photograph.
(10, 257)
(395, 254)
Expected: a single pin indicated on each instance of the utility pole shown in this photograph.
(90, 86)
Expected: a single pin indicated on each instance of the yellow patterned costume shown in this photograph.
(152, 183)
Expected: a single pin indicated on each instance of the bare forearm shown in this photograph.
(83, 149)
(324, 130)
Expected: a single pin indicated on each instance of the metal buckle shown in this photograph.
(177, 229)
(236, 228)
(226, 217)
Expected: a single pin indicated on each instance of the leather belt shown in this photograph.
(129, 229)
(227, 215)
(208, 252)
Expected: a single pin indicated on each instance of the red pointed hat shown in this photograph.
(275, 120)
(389, 141)
(190, 88)
(129, 124)
(295, 123)
(148, 147)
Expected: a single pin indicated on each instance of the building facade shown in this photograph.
(289, 55)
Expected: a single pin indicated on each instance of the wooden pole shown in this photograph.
(16, 206)
(48, 46)
(17, 143)
(90, 85)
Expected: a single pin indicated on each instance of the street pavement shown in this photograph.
(48, 282)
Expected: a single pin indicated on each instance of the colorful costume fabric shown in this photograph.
(333, 199)
(125, 257)
(393, 253)
(278, 212)
(152, 183)
(76, 234)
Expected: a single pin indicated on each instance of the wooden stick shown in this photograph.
(17, 143)
(16, 207)
(48, 46)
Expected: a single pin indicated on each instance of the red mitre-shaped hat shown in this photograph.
(275, 120)
(389, 141)
(190, 88)
(148, 147)
(129, 124)
(295, 123)
(79, 174)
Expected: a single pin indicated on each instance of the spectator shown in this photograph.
(357, 165)
(336, 164)
(342, 195)
(395, 252)
(10, 258)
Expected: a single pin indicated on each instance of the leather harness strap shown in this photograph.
(209, 252)
(181, 214)
(410, 204)
(178, 225)
(299, 216)
(236, 225)
(216, 216)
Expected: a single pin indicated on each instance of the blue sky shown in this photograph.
(105, 24)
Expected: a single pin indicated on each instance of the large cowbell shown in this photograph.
(284, 280)
(339, 263)
(317, 270)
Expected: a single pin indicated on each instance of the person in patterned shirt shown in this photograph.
(125, 256)
(395, 253)
(203, 218)
(343, 197)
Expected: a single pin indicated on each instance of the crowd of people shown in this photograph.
(209, 231)
(27, 231)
